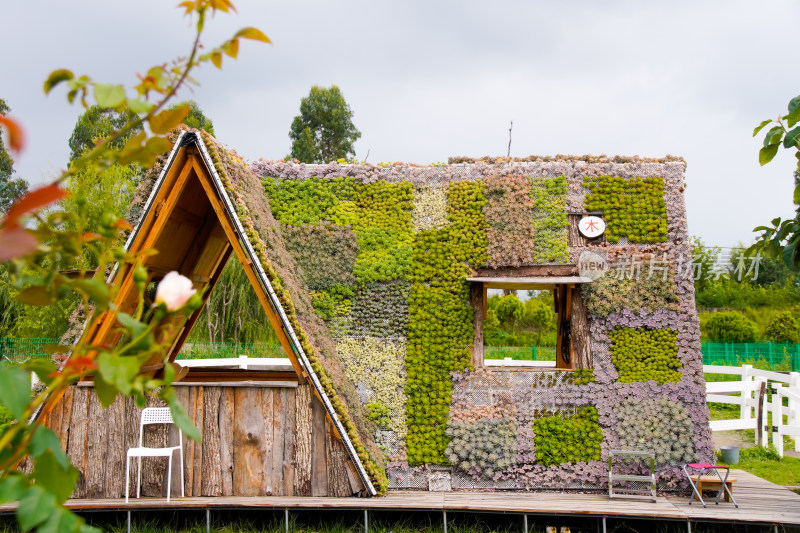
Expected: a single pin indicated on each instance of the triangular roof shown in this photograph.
(196, 218)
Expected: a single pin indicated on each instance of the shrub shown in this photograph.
(730, 326)
(633, 208)
(784, 328)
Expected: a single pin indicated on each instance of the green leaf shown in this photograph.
(48, 472)
(56, 77)
(42, 367)
(788, 255)
(168, 119)
(96, 290)
(792, 138)
(796, 196)
(118, 371)
(794, 104)
(34, 507)
(136, 329)
(773, 136)
(761, 228)
(793, 118)
(11, 488)
(44, 440)
(61, 520)
(34, 295)
(85, 528)
(139, 106)
(183, 421)
(108, 95)
(158, 145)
(15, 390)
(766, 154)
(106, 392)
(761, 127)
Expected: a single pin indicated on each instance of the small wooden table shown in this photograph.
(709, 482)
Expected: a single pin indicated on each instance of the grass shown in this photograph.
(762, 462)
(380, 522)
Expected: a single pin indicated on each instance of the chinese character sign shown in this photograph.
(591, 226)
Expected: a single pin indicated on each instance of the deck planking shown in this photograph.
(760, 502)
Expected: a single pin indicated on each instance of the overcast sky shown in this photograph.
(428, 80)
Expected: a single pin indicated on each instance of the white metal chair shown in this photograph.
(153, 415)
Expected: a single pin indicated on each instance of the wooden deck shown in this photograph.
(760, 502)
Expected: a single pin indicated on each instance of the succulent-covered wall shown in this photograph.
(386, 250)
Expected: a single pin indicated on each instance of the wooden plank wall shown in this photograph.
(256, 442)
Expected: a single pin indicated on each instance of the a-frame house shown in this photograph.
(267, 433)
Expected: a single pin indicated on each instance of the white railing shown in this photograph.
(749, 394)
(242, 362)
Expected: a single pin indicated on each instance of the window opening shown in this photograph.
(528, 325)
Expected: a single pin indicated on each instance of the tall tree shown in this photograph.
(196, 118)
(324, 130)
(11, 188)
(99, 123)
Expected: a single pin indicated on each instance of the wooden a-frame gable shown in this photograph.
(190, 221)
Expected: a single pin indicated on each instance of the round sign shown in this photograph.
(591, 226)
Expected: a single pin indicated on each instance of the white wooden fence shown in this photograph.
(750, 394)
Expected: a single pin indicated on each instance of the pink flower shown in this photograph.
(174, 291)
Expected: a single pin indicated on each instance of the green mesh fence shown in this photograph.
(520, 353)
(765, 355)
(19, 349)
(223, 350)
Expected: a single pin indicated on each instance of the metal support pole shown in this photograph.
(604, 524)
(525, 523)
(366, 521)
(208, 520)
(129, 521)
(444, 516)
(689, 526)
(286, 519)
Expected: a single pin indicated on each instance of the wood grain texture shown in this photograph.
(131, 440)
(319, 459)
(302, 440)
(211, 470)
(277, 447)
(248, 444)
(338, 482)
(76, 450)
(197, 456)
(581, 339)
(476, 296)
(115, 449)
(266, 446)
(66, 417)
(288, 441)
(225, 420)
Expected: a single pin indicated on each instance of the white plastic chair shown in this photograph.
(153, 415)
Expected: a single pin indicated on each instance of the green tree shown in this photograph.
(784, 328)
(509, 311)
(538, 315)
(233, 312)
(324, 130)
(11, 188)
(98, 123)
(196, 118)
(730, 326)
(704, 258)
(781, 239)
